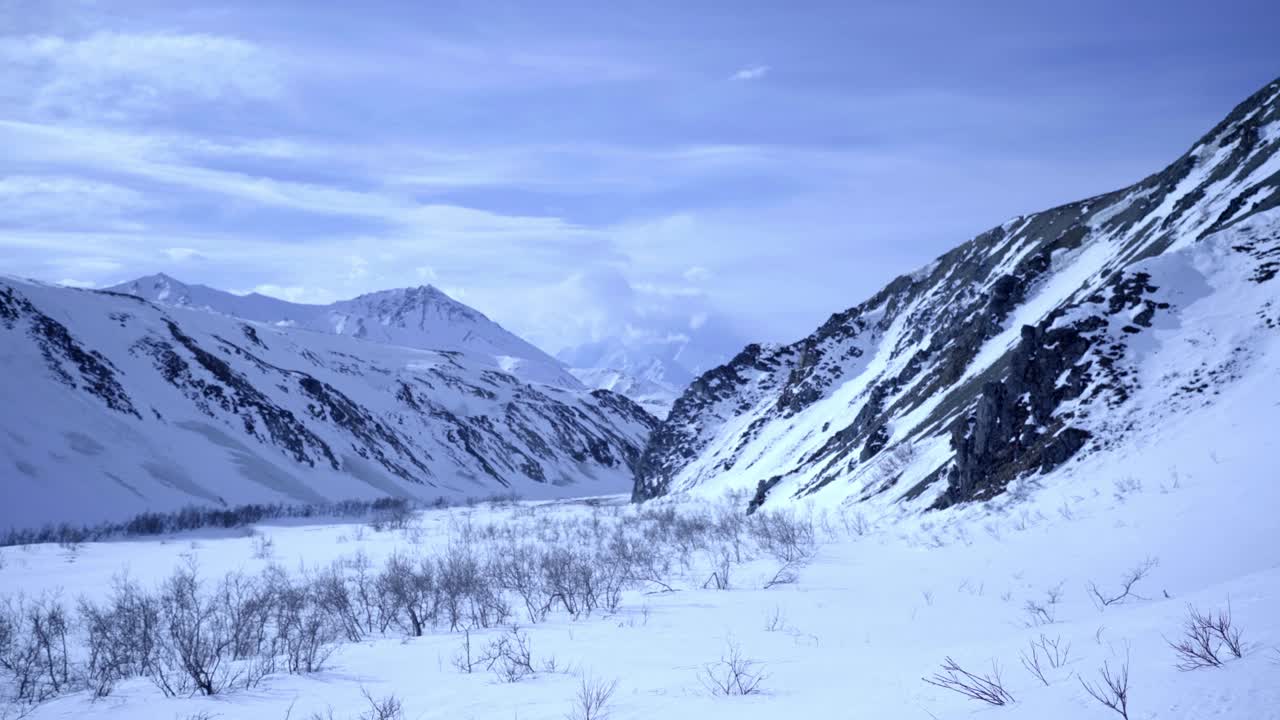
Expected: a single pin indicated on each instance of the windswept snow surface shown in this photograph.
(867, 619)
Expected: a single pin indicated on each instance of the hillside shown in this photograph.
(1072, 331)
(120, 405)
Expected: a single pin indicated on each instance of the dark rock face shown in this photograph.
(1004, 416)
(68, 360)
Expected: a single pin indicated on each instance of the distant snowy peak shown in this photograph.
(654, 395)
(422, 308)
(420, 317)
(652, 372)
(1056, 334)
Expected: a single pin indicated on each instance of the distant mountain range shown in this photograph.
(652, 371)
(116, 404)
(421, 317)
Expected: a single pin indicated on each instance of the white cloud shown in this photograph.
(68, 282)
(697, 274)
(121, 75)
(181, 254)
(292, 294)
(45, 200)
(753, 72)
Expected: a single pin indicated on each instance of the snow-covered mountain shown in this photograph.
(652, 369)
(422, 317)
(113, 405)
(652, 393)
(1078, 330)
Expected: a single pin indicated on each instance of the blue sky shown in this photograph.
(581, 170)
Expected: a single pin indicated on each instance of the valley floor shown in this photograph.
(879, 606)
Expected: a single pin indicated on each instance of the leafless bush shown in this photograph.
(516, 569)
(581, 581)
(775, 621)
(334, 594)
(33, 648)
(733, 674)
(787, 574)
(1203, 638)
(593, 699)
(720, 578)
(249, 605)
(387, 708)
(641, 562)
(466, 593)
(1045, 654)
(1131, 578)
(1043, 612)
(784, 535)
(855, 523)
(396, 516)
(509, 656)
(1127, 486)
(195, 652)
(463, 659)
(305, 633)
(1113, 690)
(263, 547)
(413, 598)
(987, 688)
(122, 636)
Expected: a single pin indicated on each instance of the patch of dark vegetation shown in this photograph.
(197, 518)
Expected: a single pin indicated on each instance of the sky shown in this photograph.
(581, 171)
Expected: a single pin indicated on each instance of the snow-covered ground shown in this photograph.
(875, 610)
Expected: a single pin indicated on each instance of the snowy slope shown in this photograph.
(421, 317)
(652, 368)
(112, 405)
(879, 608)
(1070, 331)
(650, 389)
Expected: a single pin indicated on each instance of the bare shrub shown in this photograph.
(304, 631)
(640, 561)
(263, 547)
(1113, 690)
(197, 641)
(248, 605)
(1043, 612)
(466, 593)
(775, 621)
(855, 523)
(394, 515)
(593, 699)
(413, 598)
(516, 569)
(1126, 592)
(33, 648)
(122, 636)
(463, 660)
(720, 578)
(787, 574)
(387, 708)
(784, 535)
(1045, 654)
(986, 688)
(733, 674)
(335, 596)
(509, 656)
(1203, 638)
